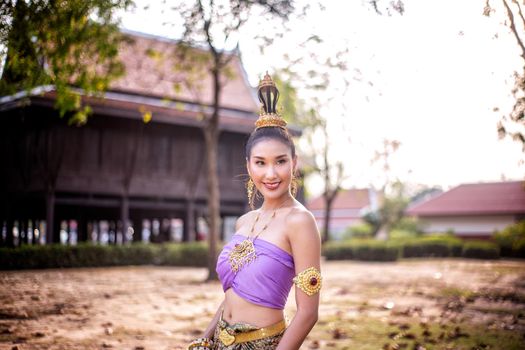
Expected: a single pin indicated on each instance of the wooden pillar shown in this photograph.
(50, 216)
(9, 239)
(68, 232)
(188, 234)
(57, 227)
(89, 229)
(124, 217)
(97, 228)
(137, 228)
(82, 231)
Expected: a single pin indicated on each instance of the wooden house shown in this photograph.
(62, 183)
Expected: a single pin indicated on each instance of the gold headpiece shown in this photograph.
(268, 95)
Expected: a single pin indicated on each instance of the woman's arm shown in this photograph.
(208, 333)
(305, 242)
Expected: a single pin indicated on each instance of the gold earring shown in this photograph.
(250, 191)
(294, 186)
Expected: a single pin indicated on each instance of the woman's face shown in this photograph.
(271, 167)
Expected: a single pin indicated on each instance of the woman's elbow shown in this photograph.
(315, 316)
(310, 316)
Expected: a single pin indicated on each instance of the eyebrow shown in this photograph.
(278, 157)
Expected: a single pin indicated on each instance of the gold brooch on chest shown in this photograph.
(242, 253)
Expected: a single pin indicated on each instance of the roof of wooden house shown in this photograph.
(149, 84)
(150, 71)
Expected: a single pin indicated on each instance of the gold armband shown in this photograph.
(309, 281)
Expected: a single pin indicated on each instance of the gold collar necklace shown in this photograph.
(244, 253)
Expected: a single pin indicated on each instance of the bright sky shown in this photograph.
(437, 73)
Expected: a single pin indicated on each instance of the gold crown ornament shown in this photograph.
(268, 95)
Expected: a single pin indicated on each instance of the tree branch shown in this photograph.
(520, 12)
(513, 28)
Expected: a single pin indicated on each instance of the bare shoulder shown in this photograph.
(304, 237)
(301, 222)
(243, 219)
(300, 216)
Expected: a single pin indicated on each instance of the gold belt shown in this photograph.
(228, 339)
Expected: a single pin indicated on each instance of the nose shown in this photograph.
(270, 173)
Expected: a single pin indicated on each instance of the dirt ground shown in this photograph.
(165, 307)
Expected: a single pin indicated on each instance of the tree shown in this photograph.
(383, 157)
(67, 44)
(513, 124)
(215, 24)
(321, 79)
(332, 172)
(70, 45)
(392, 207)
(323, 73)
(393, 6)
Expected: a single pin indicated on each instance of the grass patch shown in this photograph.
(455, 292)
(367, 333)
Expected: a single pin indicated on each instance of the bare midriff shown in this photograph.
(236, 309)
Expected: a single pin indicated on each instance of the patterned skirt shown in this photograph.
(268, 343)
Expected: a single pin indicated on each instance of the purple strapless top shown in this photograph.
(266, 281)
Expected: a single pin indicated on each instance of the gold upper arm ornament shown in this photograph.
(309, 281)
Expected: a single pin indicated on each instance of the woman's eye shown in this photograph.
(281, 161)
(259, 162)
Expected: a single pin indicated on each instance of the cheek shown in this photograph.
(255, 172)
(286, 173)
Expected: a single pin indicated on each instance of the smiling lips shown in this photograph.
(271, 185)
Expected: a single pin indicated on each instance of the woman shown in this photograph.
(274, 247)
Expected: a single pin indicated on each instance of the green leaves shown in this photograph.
(67, 44)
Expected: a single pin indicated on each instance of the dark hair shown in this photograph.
(272, 133)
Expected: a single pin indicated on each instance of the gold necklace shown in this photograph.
(244, 253)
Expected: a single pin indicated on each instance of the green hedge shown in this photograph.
(432, 246)
(368, 250)
(92, 255)
(187, 254)
(511, 240)
(480, 250)
(437, 245)
(195, 254)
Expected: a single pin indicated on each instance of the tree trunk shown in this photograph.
(329, 200)
(211, 136)
(213, 202)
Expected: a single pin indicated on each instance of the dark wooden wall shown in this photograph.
(112, 168)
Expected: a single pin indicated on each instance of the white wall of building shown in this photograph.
(467, 225)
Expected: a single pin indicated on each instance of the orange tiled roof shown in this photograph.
(346, 199)
(149, 63)
(475, 199)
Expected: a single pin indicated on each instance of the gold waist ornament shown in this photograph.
(228, 339)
